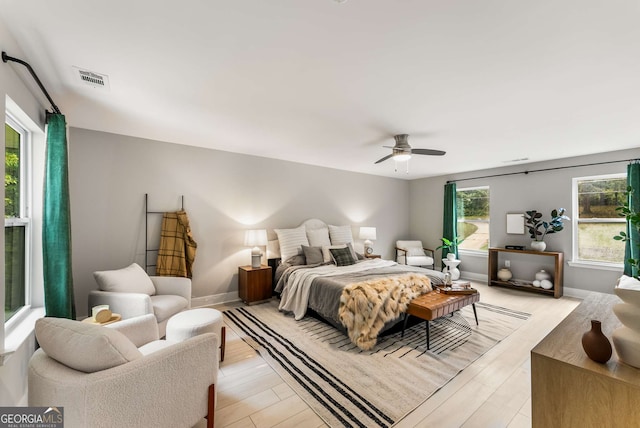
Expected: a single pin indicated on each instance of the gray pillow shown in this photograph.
(313, 255)
(297, 260)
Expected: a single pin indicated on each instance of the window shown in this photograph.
(16, 219)
(596, 220)
(473, 218)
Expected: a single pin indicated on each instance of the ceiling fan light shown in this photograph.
(402, 157)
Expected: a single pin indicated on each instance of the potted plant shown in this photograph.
(633, 220)
(539, 228)
(451, 246)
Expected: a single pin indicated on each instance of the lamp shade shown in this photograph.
(368, 233)
(255, 237)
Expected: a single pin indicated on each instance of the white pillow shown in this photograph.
(291, 241)
(413, 252)
(132, 279)
(85, 347)
(340, 234)
(326, 254)
(318, 237)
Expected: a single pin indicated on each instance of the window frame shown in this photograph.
(576, 221)
(25, 219)
(471, 251)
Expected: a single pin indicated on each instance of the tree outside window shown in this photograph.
(15, 229)
(597, 220)
(473, 218)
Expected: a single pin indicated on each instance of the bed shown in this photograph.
(307, 281)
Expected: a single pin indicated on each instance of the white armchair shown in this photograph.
(414, 254)
(130, 292)
(123, 376)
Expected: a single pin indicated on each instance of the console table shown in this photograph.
(570, 390)
(552, 257)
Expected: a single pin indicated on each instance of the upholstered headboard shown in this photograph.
(273, 246)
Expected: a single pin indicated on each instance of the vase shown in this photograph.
(538, 245)
(451, 256)
(596, 344)
(542, 275)
(626, 339)
(504, 274)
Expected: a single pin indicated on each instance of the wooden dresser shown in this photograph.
(570, 390)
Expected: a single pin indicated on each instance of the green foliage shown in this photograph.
(472, 203)
(450, 245)
(633, 219)
(539, 228)
(12, 171)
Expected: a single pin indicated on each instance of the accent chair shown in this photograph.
(121, 375)
(131, 292)
(414, 254)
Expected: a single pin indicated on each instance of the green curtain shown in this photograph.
(632, 246)
(56, 227)
(450, 217)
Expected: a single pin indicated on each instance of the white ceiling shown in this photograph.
(328, 83)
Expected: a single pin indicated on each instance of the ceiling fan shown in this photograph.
(402, 150)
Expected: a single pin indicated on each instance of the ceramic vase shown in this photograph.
(504, 274)
(538, 245)
(596, 344)
(626, 339)
(542, 275)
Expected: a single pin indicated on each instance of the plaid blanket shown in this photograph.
(177, 248)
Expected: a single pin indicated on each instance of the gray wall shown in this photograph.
(224, 194)
(542, 191)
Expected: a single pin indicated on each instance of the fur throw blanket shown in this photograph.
(366, 306)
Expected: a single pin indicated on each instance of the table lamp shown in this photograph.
(368, 234)
(255, 238)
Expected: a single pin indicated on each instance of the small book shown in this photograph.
(460, 284)
(449, 290)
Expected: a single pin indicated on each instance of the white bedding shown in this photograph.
(295, 295)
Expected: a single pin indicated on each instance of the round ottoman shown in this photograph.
(193, 322)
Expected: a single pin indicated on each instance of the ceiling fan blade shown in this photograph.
(430, 152)
(384, 158)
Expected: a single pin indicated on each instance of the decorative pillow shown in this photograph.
(326, 254)
(318, 237)
(313, 255)
(340, 234)
(132, 279)
(291, 241)
(342, 256)
(353, 252)
(297, 260)
(85, 347)
(415, 251)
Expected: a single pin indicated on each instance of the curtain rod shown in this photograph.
(543, 169)
(6, 58)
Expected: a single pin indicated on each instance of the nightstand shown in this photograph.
(254, 284)
(372, 256)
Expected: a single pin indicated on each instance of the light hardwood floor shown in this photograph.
(494, 391)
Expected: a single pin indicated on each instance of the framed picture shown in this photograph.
(515, 224)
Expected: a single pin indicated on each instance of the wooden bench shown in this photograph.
(434, 305)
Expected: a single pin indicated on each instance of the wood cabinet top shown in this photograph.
(539, 253)
(564, 343)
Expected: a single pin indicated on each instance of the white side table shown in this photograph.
(451, 266)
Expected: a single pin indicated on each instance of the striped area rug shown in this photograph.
(348, 387)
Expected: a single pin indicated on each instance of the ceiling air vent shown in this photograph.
(92, 78)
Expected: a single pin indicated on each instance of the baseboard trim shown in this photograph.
(214, 299)
(473, 276)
